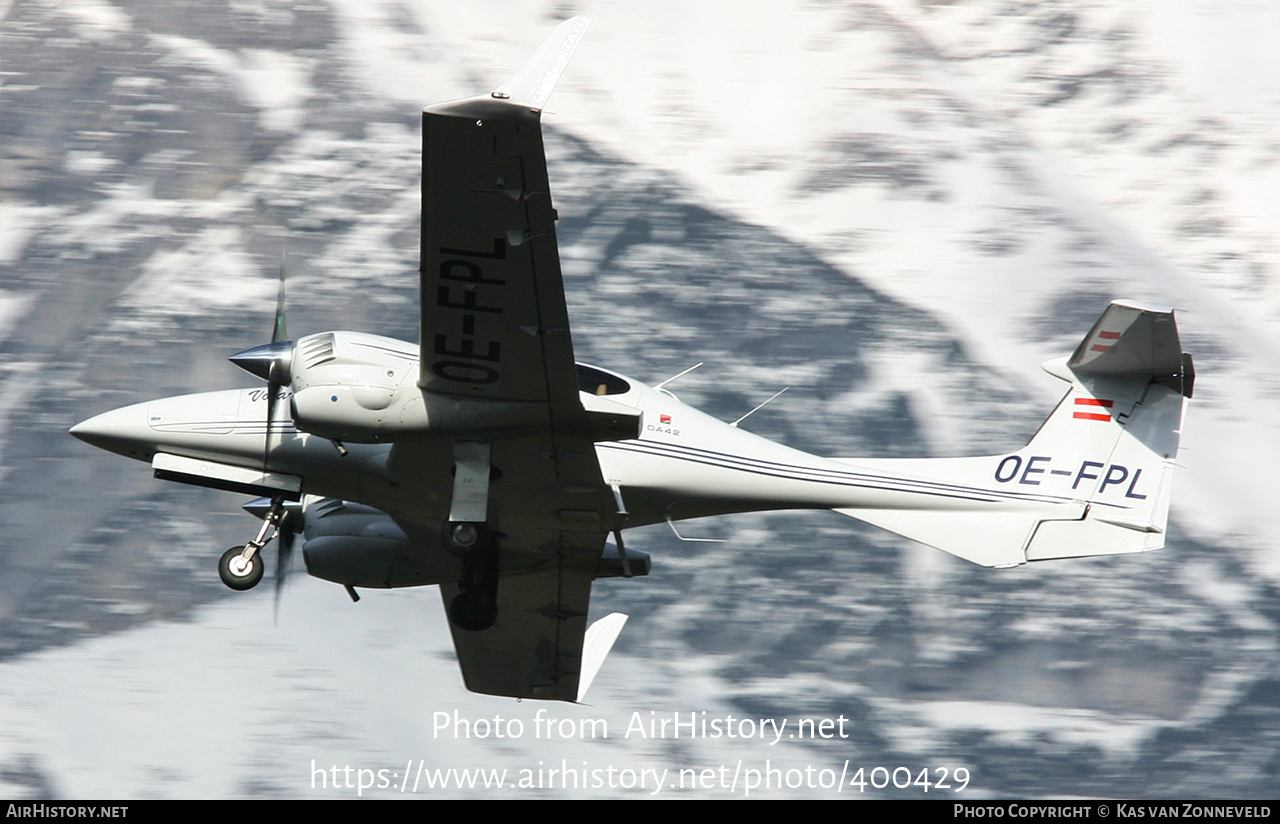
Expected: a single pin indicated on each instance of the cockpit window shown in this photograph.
(595, 382)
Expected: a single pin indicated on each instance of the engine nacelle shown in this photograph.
(345, 384)
(357, 545)
(360, 546)
(361, 388)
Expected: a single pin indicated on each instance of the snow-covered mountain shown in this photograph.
(898, 209)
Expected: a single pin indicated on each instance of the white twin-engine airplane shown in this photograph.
(485, 460)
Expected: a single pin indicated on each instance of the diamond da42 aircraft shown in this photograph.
(484, 460)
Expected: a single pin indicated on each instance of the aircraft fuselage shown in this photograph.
(684, 464)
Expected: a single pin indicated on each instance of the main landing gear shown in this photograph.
(475, 607)
(467, 535)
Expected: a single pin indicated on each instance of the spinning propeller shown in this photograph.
(271, 362)
(286, 517)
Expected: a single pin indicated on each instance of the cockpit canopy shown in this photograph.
(595, 381)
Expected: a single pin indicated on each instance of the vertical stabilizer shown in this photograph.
(1121, 423)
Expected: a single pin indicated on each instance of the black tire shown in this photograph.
(235, 580)
(469, 613)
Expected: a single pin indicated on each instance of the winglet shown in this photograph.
(537, 78)
(596, 646)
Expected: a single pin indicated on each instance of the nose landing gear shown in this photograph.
(241, 567)
(238, 572)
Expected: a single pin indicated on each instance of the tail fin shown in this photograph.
(1129, 382)
(1095, 478)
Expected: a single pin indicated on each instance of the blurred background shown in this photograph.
(899, 209)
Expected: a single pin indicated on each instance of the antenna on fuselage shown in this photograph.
(675, 377)
(690, 539)
(761, 406)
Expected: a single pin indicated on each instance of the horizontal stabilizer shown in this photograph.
(1133, 340)
(986, 538)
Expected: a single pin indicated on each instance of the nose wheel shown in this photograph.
(241, 567)
(238, 572)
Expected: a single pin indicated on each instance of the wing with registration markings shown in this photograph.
(494, 324)
(495, 329)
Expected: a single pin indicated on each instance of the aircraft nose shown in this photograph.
(123, 431)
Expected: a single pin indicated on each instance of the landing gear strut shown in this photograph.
(467, 535)
(241, 567)
(475, 607)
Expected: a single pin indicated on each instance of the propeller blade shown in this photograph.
(277, 371)
(284, 559)
(278, 332)
(273, 362)
(273, 390)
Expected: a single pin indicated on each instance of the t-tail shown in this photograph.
(1095, 479)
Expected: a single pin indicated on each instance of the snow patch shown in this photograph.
(276, 83)
(94, 19)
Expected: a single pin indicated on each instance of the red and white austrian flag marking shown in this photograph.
(1093, 409)
(1105, 341)
(665, 418)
